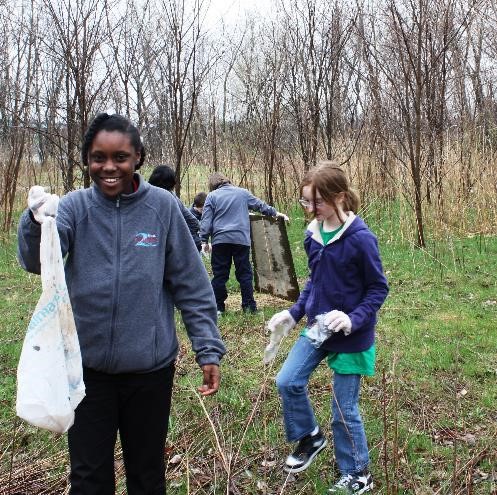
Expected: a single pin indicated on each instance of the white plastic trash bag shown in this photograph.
(50, 374)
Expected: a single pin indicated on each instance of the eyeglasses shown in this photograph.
(306, 203)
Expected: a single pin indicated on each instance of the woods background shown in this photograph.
(403, 93)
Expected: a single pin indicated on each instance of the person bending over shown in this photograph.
(225, 220)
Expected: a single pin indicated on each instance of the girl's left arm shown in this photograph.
(375, 285)
(188, 282)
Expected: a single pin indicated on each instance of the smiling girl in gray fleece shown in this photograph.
(130, 260)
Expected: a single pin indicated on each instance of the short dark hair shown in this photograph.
(163, 176)
(199, 199)
(111, 123)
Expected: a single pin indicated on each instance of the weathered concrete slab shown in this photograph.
(274, 272)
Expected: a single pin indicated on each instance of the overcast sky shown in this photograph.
(231, 12)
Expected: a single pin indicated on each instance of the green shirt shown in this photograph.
(327, 236)
(353, 363)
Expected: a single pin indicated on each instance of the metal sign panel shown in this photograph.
(274, 272)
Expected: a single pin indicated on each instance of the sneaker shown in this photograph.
(307, 448)
(353, 484)
(249, 309)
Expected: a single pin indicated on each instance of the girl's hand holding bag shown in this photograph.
(50, 373)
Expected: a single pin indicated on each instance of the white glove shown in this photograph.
(283, 320)
(279, 325)
(42, 204)
(206, 249)
(338, 320)
(282, 215)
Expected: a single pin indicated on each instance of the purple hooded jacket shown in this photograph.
(346, 275)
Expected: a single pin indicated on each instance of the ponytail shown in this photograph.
(352, 201)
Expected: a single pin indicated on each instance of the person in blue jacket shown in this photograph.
(341, 298)
(225, 220)
(130, 261)
(164, 177)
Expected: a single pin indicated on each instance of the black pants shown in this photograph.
(221, 257)
(136, 405)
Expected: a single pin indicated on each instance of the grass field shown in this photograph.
(430, 412)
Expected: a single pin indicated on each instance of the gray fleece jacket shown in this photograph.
(129, 261)
(225, 217)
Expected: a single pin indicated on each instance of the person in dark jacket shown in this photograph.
(130, 260)
(225, 220)
(198, 205)
(341, 298)
(163, 176)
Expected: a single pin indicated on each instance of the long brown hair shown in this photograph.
(330, 180)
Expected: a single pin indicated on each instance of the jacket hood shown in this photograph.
(352, 225)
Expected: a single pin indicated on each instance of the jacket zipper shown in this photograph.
(316, 295)
(115, 295)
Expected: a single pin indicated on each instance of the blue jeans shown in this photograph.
(351, 448)
(221, 257)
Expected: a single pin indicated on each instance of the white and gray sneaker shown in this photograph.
(307, 448)
(350, 484)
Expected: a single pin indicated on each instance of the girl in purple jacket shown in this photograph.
(345, 290)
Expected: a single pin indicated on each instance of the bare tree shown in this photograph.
(177, 69)
(411, 63)
(127, 48)
(339, 79)
(306, 70)
(79, 33)
(260, 71)
(18, 68)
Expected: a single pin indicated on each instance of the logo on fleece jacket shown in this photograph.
(146, 240)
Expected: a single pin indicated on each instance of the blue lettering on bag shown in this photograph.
(47, 311)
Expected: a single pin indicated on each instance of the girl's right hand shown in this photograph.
(42, 204)
(284, 320)
(280, 325)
